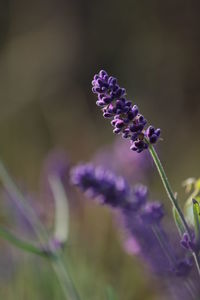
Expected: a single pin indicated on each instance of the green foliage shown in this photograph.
(192, 187)
(196, 214)
(61, 219)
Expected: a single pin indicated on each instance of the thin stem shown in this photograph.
(26, 246)
(197, 261)
(168, 187)
(64, 278)
(172, 198)
(160, 239)
(190, 289)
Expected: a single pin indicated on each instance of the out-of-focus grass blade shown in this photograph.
(61, 219)
(178, 221)
(196, 213)
(23, 204)
(26, 246)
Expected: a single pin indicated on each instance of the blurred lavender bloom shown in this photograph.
(126, 118)
(101, 184)
(139, 195)
(187, 243)
(155, 246)
(178, 289)
(141, 220)
(118, 158)
(137, 198)
(183, 267)
(152, 213)
(150, 249)
(131, 246)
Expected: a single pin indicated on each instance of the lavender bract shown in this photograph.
(187, 243)
(126, 118)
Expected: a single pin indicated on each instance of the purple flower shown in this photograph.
(117, 157)
(126, 118)
(138, 197)
(150, 250)
(187, 243)
(108, 188)
(131, 246)
(154, 245)
(152, 213)
(183, 268)
(140, 219)
(102, 184)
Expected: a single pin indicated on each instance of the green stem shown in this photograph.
(64, 278)
(26, 246)
(172, 198)
(168, 187)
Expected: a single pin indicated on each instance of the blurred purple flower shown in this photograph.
(142, 220)
(101, 184)
(150, 249)
(118, 158)
(187, 243)
(152, 213)
(131, 246)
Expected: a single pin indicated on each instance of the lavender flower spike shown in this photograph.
(101, 184)
(126, 118)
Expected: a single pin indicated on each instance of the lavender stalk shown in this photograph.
(128, 122)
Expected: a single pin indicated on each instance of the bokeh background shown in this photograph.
(49, 52)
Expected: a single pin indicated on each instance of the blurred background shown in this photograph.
(49, 52)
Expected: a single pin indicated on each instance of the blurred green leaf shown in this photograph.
(61, 223)
(197, 184)
(188, 184)
(19, 243)
(193, 187)
(196, 213)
